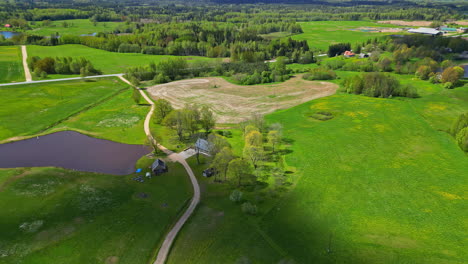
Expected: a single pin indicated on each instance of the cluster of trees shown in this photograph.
(376, 84)
(338, 49)
(459, 131)
(320, 73)
(61, 65)
(186, 121)
(242, 73)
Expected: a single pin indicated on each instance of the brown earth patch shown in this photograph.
(406, 23)
(233, 103)
(380, 29)
(112, 260)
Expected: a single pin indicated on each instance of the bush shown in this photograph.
(236, 196)
(319, 74)
(462, 139)
(448, 85)
(378, 85)
(249, 208)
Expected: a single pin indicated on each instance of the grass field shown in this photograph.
(75, 27)
(107, 62)
(11, 68)
(320, 34)
(379, 183)
(32, 108)
(118, 119)
(51, 215)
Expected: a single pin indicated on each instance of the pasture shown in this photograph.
(52, 215)
(233, 103)
(380, 182)
(106, 61)
(11, 67)
(320, 34)
(72, 27)
(33, 108)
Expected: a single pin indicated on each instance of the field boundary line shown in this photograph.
(27, 73)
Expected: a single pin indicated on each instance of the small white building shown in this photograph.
(425, 31)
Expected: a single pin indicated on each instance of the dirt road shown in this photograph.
(27, 73)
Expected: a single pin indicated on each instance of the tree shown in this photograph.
(249, 128)
(254, 138)
(279, 176)
(452, 74)
(136, 95)
(236, 196)
(460, 123)
(175, 120)
(217, 143)
(221, 161)
(162, 108)
(249, 208)
(274, 138)
(239, 169)
(191, 118)
(207, 119)
(254, 154)
(423, 72)
(462, 139)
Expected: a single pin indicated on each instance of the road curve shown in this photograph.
(170, 237)
(63, 79)
(27, 73)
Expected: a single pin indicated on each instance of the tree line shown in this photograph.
(61, 65)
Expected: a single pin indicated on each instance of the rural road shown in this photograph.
(27, 73)
(63, 79)
(170, 237)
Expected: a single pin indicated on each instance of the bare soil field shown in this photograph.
(379, 29)
(233, 103)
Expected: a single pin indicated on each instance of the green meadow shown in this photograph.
(11, 67)
(118, 119)
(320, 34)
(52, 215)
(106, 61)
(33, 108)
(72, 27)
(381, 182)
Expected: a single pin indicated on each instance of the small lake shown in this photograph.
(8, 34)
(72, 150)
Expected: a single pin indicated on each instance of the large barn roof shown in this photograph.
(428, 31)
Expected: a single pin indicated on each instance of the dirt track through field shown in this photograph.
(233, 103)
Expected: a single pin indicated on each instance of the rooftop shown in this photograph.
(429, 31)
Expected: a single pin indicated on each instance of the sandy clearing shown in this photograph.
(419, 23)
(233, 103)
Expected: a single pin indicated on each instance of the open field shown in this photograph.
(378, 183)
(118, 119)
(74, 27)
(107, 62)
(417, 23)
(51, 215)
(11, 67)
(233, 103)
(320, 34)
(32, 108)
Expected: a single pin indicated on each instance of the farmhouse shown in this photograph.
(159, 167)
(425, 31)
(8, 26)
(349, 54)
(203, 146)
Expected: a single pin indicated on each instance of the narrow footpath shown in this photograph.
(27, 73)
(170, 237)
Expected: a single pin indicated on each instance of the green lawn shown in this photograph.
(118, 119)
(30, 109)
(74, 27)
(107, 62)
(11, 67)
(320, 34)
(381, 182)
(52, 215)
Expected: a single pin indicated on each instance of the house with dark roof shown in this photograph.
(159, 167)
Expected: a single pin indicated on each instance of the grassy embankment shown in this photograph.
(11, 68)
(74, 27)
(380, 182)
(33, 108)
(320, 34)
(106, 61)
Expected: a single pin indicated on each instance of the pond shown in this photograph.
(72, 150)
(8, 34)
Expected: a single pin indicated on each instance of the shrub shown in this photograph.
(236, 196)
(322, 116)
(319, 74)
(378, 85)
(249, 208)
(448, 85)
(462, 139)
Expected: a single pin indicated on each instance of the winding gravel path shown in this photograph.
(170, 237)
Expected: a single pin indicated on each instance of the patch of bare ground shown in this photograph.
(406, 23)
(233, 103)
